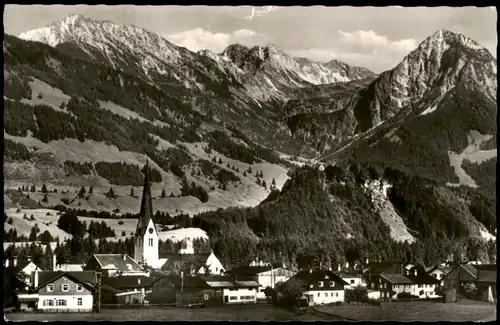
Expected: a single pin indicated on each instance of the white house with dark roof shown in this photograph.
(65, 291)
(25, 267)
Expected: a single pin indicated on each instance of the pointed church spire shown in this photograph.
(146, 212)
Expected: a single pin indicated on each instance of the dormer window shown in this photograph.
(79, 287)
(320, 284)
(65, 287)
(50, 288)
(332, 283)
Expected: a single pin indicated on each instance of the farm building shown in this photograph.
(266, 274)
(352, 277)
(130, 289)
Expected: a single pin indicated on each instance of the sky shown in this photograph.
(376, 38)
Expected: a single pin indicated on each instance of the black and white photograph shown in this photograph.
(249, 163)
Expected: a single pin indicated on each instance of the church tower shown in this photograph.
(146, 234)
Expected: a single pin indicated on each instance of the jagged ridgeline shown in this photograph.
(333, 215)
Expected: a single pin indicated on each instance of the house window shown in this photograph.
(320, 284)
(331, 294)
(80, 302)
(336, 294)
(216, 269)
(247, 298)
(332, 283)
(48, 302)
(79, 287)
(61, 302)
(318, 294)
(50, 288)
(420, 286)
(65, 287)
(352, 281)
(150, 242)
(326, 294)
(233, 298)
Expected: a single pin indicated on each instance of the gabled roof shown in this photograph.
(396, 278)
(224, 281)
(423, 278)
(120, 262)
(21, 265)
(470, 268)
(185, 262)
(187, 282)
(246, 270)
(129, 281)
(318, 275)
(88, 278)
(146, 212)
(486, 267)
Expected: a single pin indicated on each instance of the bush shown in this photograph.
(406, 295)
(357, 294)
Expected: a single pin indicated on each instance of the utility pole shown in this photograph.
(99, 274)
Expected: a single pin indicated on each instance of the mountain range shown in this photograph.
(86, 101)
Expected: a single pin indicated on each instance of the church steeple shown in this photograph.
(146, 234)
(146, 212)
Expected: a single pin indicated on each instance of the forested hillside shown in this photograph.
(337, 222)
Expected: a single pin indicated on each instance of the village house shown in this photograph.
(192, 263)
(207, 290)
(115, 265)
(486, 282)
(439, 271)
(266, 274)
(128, 289)
(425, 284)
(391, 285)
(65, 291)
(24, 267)
(372, 272)
(459, 276)
(66, 267)
(320, 286)
(354, 278)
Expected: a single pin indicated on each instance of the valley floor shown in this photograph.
(422, 311)
(222, 313)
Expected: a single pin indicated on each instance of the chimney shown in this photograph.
(14, 261)
(321, 265)
(367, 261)
(6, 263)
(310, 271)
(284, 265)
(124, 257)
(54, 262)
(261, 263)
(346, 265)
(28, 258)
(338, 268)
(138, 280)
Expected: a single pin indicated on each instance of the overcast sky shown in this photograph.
(373, 37)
